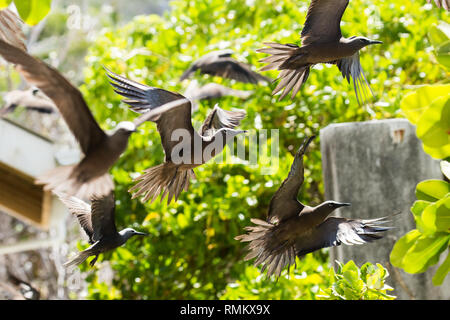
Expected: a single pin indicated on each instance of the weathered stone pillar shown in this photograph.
(376, 166)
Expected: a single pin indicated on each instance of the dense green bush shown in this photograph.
(190, 253)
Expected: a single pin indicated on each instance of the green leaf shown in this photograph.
(442, 271)
(4, 3)
(402, 246)
(443, 54)
(441, 152)
(436, 217)
(415, 103)
(417, 210)
(432, 190)
(439, 34)
(33, 11)
(432, 128)
(424, 252)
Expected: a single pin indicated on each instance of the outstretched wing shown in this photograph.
(284, 203)
(67, 98)
(143, 98)
(219, 118)
(233, 69)
(351, 67)
(11, 29)
(334, 231)
(323, 21)
(103, 213)
(81, 210)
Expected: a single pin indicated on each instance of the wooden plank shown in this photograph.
(20, 197)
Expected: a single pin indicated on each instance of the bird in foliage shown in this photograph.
(295, 229)
(220, 63)
(101, 149)
(98, 222)
(322, 42)
(184, 148)
(32, 99)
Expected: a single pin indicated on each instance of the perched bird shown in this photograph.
(184, 148)
(295, 229)
(220, 63)
(98, 221)
(443, 3)
(322, 42)
(31, 99)
(101, 150)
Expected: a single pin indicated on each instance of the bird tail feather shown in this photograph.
(282, 57)
(78, 259)
(264, 245)
(163, 179)
(61, 179)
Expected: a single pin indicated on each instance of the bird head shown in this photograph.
(330, 206)
(127, 233)
(361, 42)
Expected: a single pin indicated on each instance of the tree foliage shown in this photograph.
(191, 253)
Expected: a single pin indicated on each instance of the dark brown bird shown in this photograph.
(444, 3)
(322, 42)
(101, 150)
(184, 148)
(220, 63)
(295, 229)
(31, 99)
(98, 221)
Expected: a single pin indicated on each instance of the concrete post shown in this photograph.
(376, 166)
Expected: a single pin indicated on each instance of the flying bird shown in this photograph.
(295, 229)
(101, 149)
(98, 222)
(220, 63)
(181, 157)
(31, 99)
(322, 42)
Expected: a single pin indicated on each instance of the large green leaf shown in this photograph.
(442, 271)
(432, 127)
(402, 246)
(432, 190)
(443, 54)
(441, 152)
(4, 3)
(416, 103)
(439, 34)
(436, 217)
(424, 252)
(417, 209)
(33, 11)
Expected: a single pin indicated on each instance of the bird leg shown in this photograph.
(93, 261)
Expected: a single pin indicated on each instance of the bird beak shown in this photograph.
(375, 42)
(344, 204)
(141, 233)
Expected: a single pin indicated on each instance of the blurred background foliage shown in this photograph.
(191, 253)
